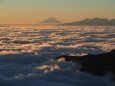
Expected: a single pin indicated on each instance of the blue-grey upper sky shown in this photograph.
(34, 11)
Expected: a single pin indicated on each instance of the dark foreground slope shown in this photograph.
(95, 64)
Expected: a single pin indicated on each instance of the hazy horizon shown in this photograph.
(39, 37)
(35, 11)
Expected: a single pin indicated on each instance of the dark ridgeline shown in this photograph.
(93, 22)
(95, 64)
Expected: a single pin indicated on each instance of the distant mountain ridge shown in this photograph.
(50, 20)
(95, 21)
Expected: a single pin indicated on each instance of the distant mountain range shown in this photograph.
(95, 21)
(51, 20)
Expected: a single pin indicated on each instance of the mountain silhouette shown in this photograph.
(95, 21)
(51, 20)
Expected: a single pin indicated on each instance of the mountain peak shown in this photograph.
(51, 20)
(94, 22)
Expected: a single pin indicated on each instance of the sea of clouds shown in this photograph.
(28, 54)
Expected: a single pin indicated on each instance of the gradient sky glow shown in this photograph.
(34, 11)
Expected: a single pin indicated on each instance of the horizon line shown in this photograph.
(51, 23)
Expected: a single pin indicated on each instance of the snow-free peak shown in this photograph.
(51, 20)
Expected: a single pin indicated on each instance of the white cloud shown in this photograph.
(27, 55)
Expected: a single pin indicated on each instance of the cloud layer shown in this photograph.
(27, 55)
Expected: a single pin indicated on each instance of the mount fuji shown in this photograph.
(51, 20)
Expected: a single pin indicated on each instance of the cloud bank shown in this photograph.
(27, 55)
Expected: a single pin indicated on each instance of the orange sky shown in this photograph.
(34, 11)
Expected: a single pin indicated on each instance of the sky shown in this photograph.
(35, 11)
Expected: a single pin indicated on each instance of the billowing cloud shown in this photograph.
(27, 55)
